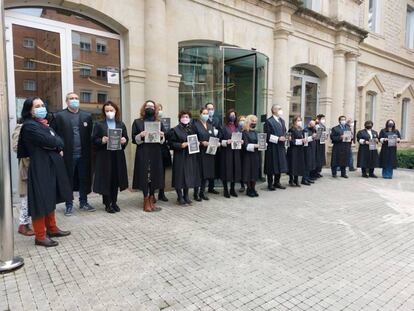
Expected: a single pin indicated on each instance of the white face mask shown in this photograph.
(110, 115)
(343, 122)
(299, 123)
(280, 113)
(323, 121)
(160, 112)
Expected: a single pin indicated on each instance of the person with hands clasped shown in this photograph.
(295, 153)
(367, 151)
(110, 165)
(309, 134)
(389, 137)
(341, 147)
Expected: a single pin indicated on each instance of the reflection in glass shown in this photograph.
(369, 106)
(295, 108)
(311, 101)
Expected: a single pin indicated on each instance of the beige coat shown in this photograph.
(23, 163)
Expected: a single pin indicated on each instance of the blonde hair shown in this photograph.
(249, 119)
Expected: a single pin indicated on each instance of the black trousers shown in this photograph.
(273, 180)
(367, 170)
(113, 190)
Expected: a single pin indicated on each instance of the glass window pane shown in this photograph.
(295, 108)
(369, 107)
(311, 101)
(96, 75)
(37, 66)
(404, 117)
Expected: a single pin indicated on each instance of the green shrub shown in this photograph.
(406, 158)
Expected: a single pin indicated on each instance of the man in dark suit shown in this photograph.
(75, 128)
(341, 147)
(216, 122)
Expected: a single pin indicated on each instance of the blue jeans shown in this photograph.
(80, 174)
(387, 172)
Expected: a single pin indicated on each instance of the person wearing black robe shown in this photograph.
(275, 155)
(75, 127)
(148, 166)
(250, 156)
(240, 125)
(320, 146)
(110, 165)
(367, 159)
(48, 182)
(206, 161)
(185, 170)
(230, 159)
(296, 152)
(215, 121)
(309, 133)
(341, 148)
(166, 157)
(388, 154)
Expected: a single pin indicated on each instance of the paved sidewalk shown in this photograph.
(338, 245)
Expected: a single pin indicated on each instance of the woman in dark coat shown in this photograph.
(48, 182)
(296, 153)
(320, 145)
(166, 158)
(230, 164)
(388, 154)
(251, 156)
(310, 153)
(206, 161)
(148, 167)
(367, 158)
(110, 165)
(185, 170)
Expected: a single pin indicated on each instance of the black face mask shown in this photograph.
(232, 118)
(253, 126)
(368, 127)
(149, 112)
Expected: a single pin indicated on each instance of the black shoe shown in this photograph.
(46, 242)
(250, 193)
(226, 194)
(58, 234)
(291, 183)
(242, 189)
(305, 182)
(213, 191)
(187, 200)
(233, 193)
(365, 175)
(310, 181)
(271, 188)
(109, 209)
(255, 193)
(334, 176)
(115, 207)
(297, 184)
(352, 169)
(180, 201)
(373, 176)
(204, 197)
(161, 196)
(197, 198)
(344, 176)
(319, 175)
(279, 186)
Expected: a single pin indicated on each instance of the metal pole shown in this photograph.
(8, 262)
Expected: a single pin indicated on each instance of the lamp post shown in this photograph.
(8, 262)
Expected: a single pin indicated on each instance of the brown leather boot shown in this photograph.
(26, 230)
(147, 204)
(153, 207)
(153, 199)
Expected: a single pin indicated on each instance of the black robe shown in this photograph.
(388, 155)
(108, 162)
(217, 125)
(251, 160)
(320, 149)
(340, 149)
(48, 183)
(148, 164)
(63, 127)
(296, 153)
(367, 158)
(230, 159)
(275, 155)
(185, 169)
(310, 151)
(206, 161)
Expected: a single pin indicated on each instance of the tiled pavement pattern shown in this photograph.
(338, 245)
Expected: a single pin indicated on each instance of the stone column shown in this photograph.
(156, 67)
(338, 86)
(281, 70)
(350, 85)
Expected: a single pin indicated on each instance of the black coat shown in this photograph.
(320, 149)
(63, 127)
(340, 149)
(230, 160)
(108, 162)
(48, 183)
(206, 161)
(296, 154)
(251, 160)
(185, 170)
(275, 155)
(148, 164)
(310, 151)
(367, 158)
(388, 155)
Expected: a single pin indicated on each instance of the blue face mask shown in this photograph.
(241, 124)
(40, 112)
(211, 113)
(204, 117)
(74, 103)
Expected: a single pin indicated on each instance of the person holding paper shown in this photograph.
(367, 152)
(389, 137)
(250, 155)
(148, 166)
(310, 153)
(240, 124)
(215, 121)
(110, 165)
(275, 155)
(166, 159)
(230, 164)
(341, 147)
(320, 145)
(204, 131)
(295, 153)
(185, 170)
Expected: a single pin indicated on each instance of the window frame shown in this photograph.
(405, 104)
(377, 16)
(373, 105)
(25, 83)
(409, 28)
(27, 39)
